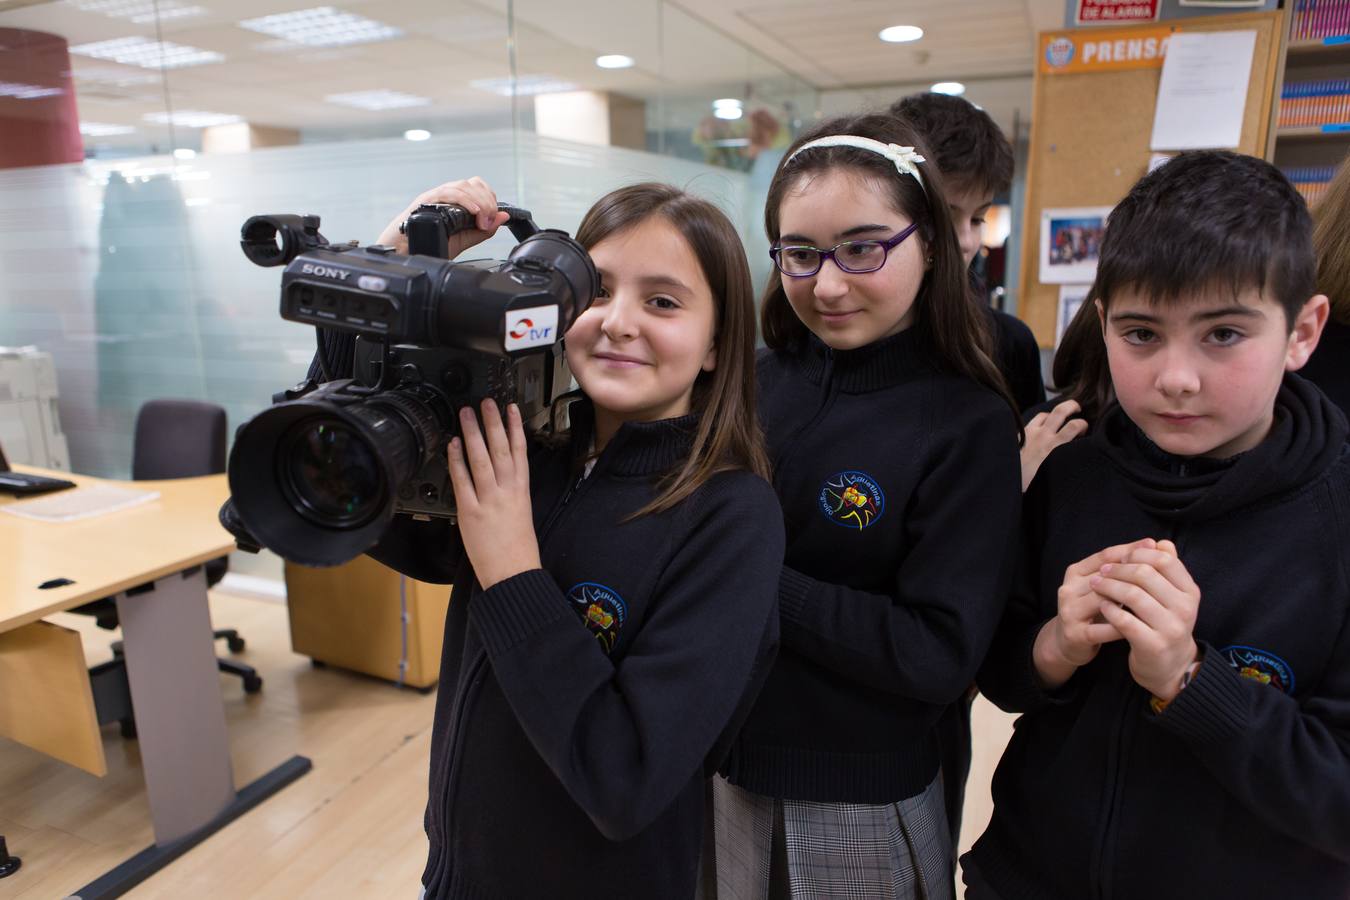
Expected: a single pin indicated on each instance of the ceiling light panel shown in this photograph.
(27, 91)
(112, 75)
(148, 54)
(525, 85)
(103, 129)
(192, 118)
(322, 26)
(377, 100)
(139, 11)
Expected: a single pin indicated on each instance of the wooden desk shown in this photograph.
(170, 652)
(109, 553)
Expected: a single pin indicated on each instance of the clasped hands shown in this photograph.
(1139, 592)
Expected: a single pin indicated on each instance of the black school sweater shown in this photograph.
(1016, 352)
(900, 489)
(582, 705)
(1241, 786)
(1018, 357)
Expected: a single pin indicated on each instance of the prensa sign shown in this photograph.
(1070, 52)
(1101, 12)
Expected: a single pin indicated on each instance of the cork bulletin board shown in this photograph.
(1092, 119)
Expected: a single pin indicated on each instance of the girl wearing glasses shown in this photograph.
(894, 449)
(614, 593)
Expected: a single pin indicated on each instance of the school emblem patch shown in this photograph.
(601, 609)
(1262, 666)
(852, 499)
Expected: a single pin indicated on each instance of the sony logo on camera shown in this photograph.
(324, 271)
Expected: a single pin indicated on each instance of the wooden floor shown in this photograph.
(351, 828)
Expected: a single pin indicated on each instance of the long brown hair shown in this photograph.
(728, 435)
(1080, 371)
(945, 316)
(1331, 241)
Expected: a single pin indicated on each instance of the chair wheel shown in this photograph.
(236, 644)
(318, 663)
(252, 684)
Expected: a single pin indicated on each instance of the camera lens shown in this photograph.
(332, 472)
(315, 481)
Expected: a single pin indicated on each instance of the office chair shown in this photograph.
(179, 439)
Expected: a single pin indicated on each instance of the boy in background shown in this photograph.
(976, 162)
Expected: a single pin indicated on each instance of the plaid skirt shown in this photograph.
(768, 849)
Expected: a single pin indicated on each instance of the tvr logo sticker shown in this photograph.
(533, 327)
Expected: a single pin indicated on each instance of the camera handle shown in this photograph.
(428, 229)
(432, 224)
(521, 222)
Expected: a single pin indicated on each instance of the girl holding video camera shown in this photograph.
(615, 586)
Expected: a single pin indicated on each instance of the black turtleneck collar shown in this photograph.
(1306, 437)
(877, 365)
(1172, 463)
(637, 448)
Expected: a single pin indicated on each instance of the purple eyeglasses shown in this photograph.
(855, 257)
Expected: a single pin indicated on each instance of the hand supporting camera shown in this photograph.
(491, 479)
(473, 194)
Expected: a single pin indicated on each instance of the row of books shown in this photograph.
(1320, 19)
(1315, 103)
(1311, 181)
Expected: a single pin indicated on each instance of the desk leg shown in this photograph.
(175, 693)
(180, 724)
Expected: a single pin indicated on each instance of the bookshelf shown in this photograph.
(1311, 136)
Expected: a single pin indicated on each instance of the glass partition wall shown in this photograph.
(138, 135)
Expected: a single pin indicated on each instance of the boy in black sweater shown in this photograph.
(976, 162)
(1179, 641)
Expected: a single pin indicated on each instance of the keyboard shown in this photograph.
(22, 485)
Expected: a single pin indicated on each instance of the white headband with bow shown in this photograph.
(903, 157)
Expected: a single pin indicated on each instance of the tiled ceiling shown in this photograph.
(961, 39)
(683, 50)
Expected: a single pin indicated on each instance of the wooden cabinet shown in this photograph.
(366, 617)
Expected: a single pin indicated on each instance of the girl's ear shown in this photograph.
(710, 361)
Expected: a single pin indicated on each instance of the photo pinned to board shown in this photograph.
(1071, 239)
(1071, 298)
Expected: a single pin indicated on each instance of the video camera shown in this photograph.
(318, 476)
